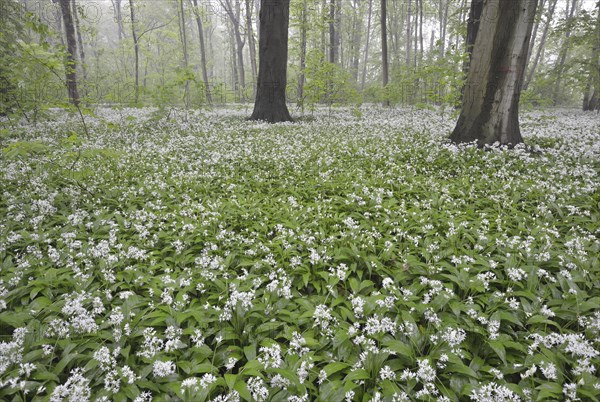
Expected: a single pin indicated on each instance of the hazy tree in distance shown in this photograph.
(272, 62)
(71, 63)
(490, 106)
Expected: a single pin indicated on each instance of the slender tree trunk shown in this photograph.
(80, 43)
(185, 61)
(118, 18)
(270, 104)
(234, 14)
(357, 30)
(366, 59)
(251, 43)
(333, 41)
(542, 44)
(301, 78)
(71, 57)
(136, 50)
(202, 51)
(408, 32)
(490, 107)
(560, 65)
(421, 29)
(444, 25)
(384, 52)
(536, 26)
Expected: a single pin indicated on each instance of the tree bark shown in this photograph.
(185, 61)
(408, 32)
(202, 51)
(302, 77)
(562, 58)
(118, 18)
(592, 91)
(490, 107)
(366, 59)
(136, 50)
(333, 36)
(542, 44)
(251, 42)
(80, 43)
(270, 104)
(70, 59)
(384, 52)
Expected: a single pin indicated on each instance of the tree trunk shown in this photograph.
(80, 43)
(302, 78)
(408, 32)
(270, 104)
(384, 52)
(443, 11)
(185, 61)
(490, 107)
(234, 14)
(136, 50)
(333, 39)
(366, 60)
(560, 66)
(251, 43)
(70, 59)
(357, 30)
(542, 44)
(472, 29)
(202, 51)
(590, 99)
(118, 18)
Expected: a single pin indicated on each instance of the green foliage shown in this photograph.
(201, 258)
(327, 83)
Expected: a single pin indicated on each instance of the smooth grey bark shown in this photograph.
(251, 42)
(333, 34)
(270, 104)
(136, 50)
(408, 32)
(490, 106)
(118, 18)
(562, 58)
(302, 77)
(71, 56)
(541, 46)
(183, 38)
(202, 51)
(79, 43)
(233, 11)
(366, 59)
(384, 52)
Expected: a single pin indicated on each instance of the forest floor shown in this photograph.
(354, 255)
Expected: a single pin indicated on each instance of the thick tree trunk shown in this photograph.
(70, 59)
(590, 99)
(384, 52)
(202, 51)
(472, 29)
(270, 104)
(490, 107)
